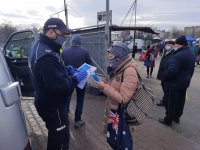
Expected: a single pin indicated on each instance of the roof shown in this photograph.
(115, 28)
(123, 28)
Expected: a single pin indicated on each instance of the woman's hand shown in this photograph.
(100, 84)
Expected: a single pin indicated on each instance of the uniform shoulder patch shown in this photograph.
(48, 50)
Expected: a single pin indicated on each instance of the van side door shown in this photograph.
(16, 51)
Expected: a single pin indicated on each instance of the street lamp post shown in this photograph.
(66, 13)
(135, 21)
(107, 28)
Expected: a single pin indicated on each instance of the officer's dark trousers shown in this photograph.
(80, 101)
(175, 103)
(57, 123)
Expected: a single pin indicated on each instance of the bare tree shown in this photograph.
(175, 32)
(6, 29)
(166, 35)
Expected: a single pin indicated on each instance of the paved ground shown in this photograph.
(151, 135)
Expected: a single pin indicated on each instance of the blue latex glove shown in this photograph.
(80, 76)
(95, 77)
(72, 70)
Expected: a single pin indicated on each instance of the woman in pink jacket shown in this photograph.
(123, 78)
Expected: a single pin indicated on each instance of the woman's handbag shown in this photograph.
(147, 62)
(118, 133)
(137, 109)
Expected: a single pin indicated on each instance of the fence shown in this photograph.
(93, 40)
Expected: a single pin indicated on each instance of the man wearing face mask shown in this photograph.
(177, 75)
(52, 83)
(168, 51)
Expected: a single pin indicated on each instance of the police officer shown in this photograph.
(134, 50)
(52, 83)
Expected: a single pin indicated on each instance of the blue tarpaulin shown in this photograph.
(189, 38)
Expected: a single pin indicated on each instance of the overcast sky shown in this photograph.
(162, 14)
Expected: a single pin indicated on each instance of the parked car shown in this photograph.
(140, 44)
(13, 132)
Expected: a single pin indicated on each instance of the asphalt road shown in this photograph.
(151, 135)
(189, 126)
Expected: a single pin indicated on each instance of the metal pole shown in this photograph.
(107, 28)
(135, 10)
(66, 13)
(135, 21)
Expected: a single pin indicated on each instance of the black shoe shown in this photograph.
(163, 121)
(177, 120)
(160, 104)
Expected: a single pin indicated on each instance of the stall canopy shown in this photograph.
(116, 28)
(189, 38)
(123, 28)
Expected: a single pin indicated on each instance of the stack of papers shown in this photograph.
(90, 70)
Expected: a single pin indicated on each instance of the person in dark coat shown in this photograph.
(76, 56)
(52, 83)
(168, 51)
(177, 75)
(134, 50)
(197, 54)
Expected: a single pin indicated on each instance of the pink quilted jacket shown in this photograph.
(118, 91)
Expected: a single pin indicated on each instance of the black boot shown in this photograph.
(165, 122)
(176, 120)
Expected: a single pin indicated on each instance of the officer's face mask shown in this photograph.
(60, 39)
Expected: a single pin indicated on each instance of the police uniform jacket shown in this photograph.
(51, 81)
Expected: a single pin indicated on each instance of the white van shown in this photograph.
(13, 131)
(140, 44)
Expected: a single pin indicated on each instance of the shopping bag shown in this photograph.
(118, 133)
(137, 109)
(142, 56)
(148, 62)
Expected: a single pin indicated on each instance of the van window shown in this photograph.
(19, 45)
